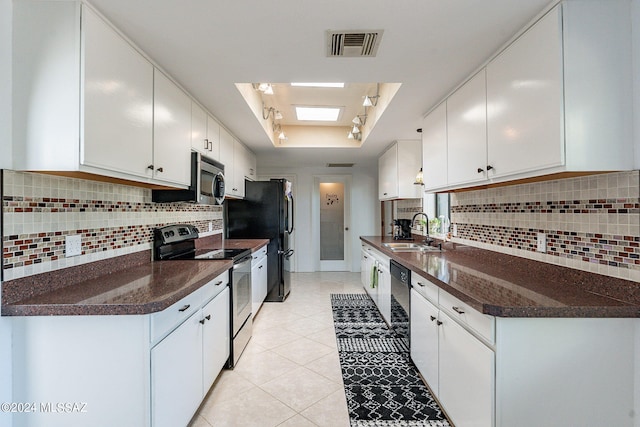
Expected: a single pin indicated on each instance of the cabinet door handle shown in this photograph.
(202, 321)
(480, 170)
(438, 323)
(458, 310)
(185, 308)
(489, 167)
(206, 144)
(260, 267)
(208, 317)
(218, 283)
(150, 167)
(385, 194)
(421, 284)
(432, 318)
(160, 170)
(210, 146)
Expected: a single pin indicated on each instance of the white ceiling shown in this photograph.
(429, 46)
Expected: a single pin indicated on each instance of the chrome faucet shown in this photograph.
(427, 239)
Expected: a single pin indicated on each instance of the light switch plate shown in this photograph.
(455, 230)
(73, 245)
(542, 242)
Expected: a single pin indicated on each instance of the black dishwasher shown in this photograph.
(400, 302)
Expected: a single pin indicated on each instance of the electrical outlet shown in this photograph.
(73, 245)
(542, 242)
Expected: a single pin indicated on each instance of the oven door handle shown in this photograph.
(239, 263)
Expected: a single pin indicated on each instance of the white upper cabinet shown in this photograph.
(525, 102)
(558, 99)
(239, 164)
(171, 132)
(199, 140)
(397, 169)
(117, 99)
(88, 101)
(434, 148)
(213, 138)
(467, 132)
(205, 133)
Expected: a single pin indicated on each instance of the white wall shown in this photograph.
(5, 157)
(365, 209)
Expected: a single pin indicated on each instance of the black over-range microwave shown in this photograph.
(207, 184)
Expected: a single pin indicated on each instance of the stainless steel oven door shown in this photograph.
(241, 293)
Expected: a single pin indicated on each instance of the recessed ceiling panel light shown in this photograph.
(318, 114)
(318, 84)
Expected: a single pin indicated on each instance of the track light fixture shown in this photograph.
(372, 101)
(270, 111)
(360, 120)
(265, 88)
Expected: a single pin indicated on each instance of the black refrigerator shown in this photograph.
(266, 212)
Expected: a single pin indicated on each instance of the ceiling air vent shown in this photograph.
(340, 165)
(353, 43)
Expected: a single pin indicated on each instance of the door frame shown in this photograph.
(344, 265)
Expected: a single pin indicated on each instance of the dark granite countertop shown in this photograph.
(509, 286)
(129, 284)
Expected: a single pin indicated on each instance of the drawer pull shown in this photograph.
(458, 310)
(260, 267)
(421, 284)
(202, 321)
(218, 283)
(185, 308)
(208, 317)
(438, 323)
(432, 318)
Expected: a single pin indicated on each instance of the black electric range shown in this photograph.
(177, 243)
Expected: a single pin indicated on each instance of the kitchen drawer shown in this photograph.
(215, 286)
(257, 256)
(424, 287)
(168, 319)
(482, 324)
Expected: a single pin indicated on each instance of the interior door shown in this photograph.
(332, 222)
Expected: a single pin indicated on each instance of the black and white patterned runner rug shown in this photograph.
(381, 383)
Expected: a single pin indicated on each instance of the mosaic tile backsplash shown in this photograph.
(40, 210)
(591, 223)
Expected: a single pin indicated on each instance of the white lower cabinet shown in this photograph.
(376, 279)
(466, 381)
(424, 339)
(525, 372)
(384, 290)
(185, 364)
(259, 280)
(176, 375)
(122, 370)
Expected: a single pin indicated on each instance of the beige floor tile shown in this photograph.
(254, 408)
(198, 421)
(328, 366)
(297, 421)
(304, 327)
(273, 337)
(303, 350)
(326, 336)
(297, 393)
(270, 386)
(263, 367)
(330, 411)
(228, 384)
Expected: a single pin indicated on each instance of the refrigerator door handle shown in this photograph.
(286, 254)
(290, 215)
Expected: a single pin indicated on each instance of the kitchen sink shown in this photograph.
(410, 247)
